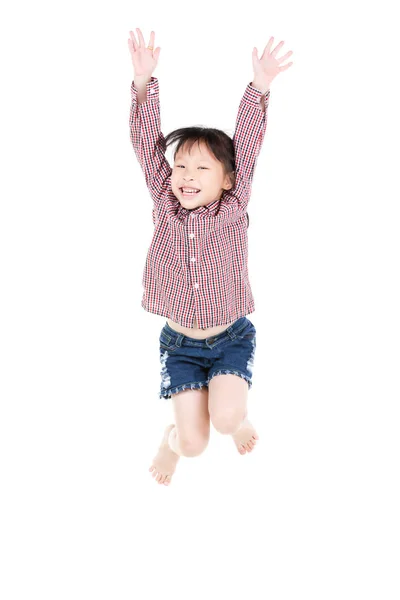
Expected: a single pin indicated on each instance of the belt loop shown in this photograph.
(179, 339)
(231, 333)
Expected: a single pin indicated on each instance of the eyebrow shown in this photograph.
(200, 160)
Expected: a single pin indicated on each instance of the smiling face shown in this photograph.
(201, 170)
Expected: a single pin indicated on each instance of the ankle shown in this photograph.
(243, 423)
(172, 441)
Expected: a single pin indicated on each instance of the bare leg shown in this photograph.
(227, 403)
(173, 441)
(245, 437)
(165, 461)
(188, 437)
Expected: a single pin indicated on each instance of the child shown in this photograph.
(196, 267)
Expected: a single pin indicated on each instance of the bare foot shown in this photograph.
(164, 462)
(245, 438)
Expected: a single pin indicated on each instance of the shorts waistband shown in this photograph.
(233, 330)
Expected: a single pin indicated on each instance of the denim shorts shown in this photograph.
(191, 363)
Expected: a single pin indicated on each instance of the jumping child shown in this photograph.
(196, 272)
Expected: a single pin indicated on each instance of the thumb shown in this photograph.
(255, 57)
(157, 52)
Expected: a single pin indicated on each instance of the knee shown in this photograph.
(193, 446)
(227, 423)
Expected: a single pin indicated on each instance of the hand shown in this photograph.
(267, 67)
(144, 59)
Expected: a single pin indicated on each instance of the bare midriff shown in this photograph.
(197, 333)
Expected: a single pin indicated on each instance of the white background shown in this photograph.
(313, 511)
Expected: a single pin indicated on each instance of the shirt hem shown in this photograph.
(160, 313)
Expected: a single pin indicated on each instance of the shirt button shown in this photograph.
(193, 259)
(196, 285)
(152, 91)
(191, 235)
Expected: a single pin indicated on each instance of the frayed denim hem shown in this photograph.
(198, 385)
(231, 372)
(179, 388)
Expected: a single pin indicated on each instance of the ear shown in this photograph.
(228, 181)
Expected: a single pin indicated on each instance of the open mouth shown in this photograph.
(189, 194)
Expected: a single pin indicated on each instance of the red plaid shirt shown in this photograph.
(196, 265)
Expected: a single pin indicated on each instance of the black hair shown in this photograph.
(217, 141)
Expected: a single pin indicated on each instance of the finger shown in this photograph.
(268, 47)
(255, 57)
(276, 50)
(141, 38)
(134, 42)
(285, 67)
(285, 57)
(152, 36)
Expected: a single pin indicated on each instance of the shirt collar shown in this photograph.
(208, 210)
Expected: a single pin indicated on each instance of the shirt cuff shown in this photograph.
(253, 95)
(152, 88)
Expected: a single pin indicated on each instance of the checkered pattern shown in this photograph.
(196, 265)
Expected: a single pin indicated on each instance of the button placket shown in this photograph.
(193, 258)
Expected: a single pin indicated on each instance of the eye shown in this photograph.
(198, 167)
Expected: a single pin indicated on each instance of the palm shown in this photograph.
(268, 66)
(144, 59)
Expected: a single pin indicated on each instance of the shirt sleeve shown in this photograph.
(251, 123)
(148, 141)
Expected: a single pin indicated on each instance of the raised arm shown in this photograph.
(146, 136)
(144, 118)
(251, 121)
